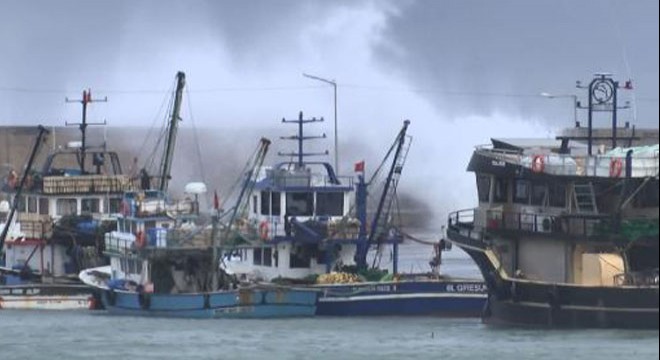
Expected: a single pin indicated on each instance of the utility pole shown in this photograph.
(334, 85)
(86, 99)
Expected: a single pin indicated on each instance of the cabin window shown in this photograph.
(300, 204)
(254, 204)
(265, 202)
(66, 207)
(268, 257)
(32, 204)
(521, 194)
(557, 195)
(330, 204)
(298, 260)
(89, 206)
(112, 206)
(256, 256)
(275, 203)
(271, 199)
(43, 206)
(483, 187)
(501, 191)
(538, 194)
(22, 202)
(321, 257)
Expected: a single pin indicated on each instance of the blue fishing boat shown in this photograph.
(164, 256)
(306, 225)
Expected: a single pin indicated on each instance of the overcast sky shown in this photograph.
(461, 71)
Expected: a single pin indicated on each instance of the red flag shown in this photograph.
(359, 166)
(216, 200)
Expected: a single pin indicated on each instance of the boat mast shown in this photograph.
(86, 99)
(379, 223)
(301, 138)
(241, 203)
(19, 189)
(166, 163)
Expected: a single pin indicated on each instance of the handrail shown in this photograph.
(579, 165)
(583, 225)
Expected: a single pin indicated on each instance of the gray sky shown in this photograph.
(462, 71)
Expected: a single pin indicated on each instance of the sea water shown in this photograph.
(96, 335)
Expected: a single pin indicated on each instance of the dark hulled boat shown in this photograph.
(563, 236)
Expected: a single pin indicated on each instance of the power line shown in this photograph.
(298, 88)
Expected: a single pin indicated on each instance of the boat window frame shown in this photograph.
(96, 209)
(538, 201)
(255, 252)
(309, 203)
(267, 256)
(502, 185)
(31, 206)
(44, 206)
(554, 195)
(337, 210)
(528, 191)
(71, 201)
(483, 187)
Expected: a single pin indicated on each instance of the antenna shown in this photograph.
(86, 99)
(301, 138)
(603, 97)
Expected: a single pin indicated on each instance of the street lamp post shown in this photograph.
(334, 85)
(573, 96)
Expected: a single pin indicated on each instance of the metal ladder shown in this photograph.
(383, 222)
(584, 198)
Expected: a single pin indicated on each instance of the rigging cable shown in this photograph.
(624, 55)
(196, 136)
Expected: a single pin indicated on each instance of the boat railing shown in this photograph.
(638, 278)
(463, 222)
(601, 165)
(571, 225)
(119, 242)
(311, 180)
(86, 184)
(566, 224)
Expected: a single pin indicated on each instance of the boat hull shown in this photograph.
(46, 297)
(224, 304)
(448, 298)
(522, 302)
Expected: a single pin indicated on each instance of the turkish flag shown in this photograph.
(359, 166)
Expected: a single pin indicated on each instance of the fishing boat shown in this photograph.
(306, 225)
(52, 222)
(164, 255)
(566, 236)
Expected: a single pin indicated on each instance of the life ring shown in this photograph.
(616, 167)
(538, 164)
(140, 240)
(263, 230)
